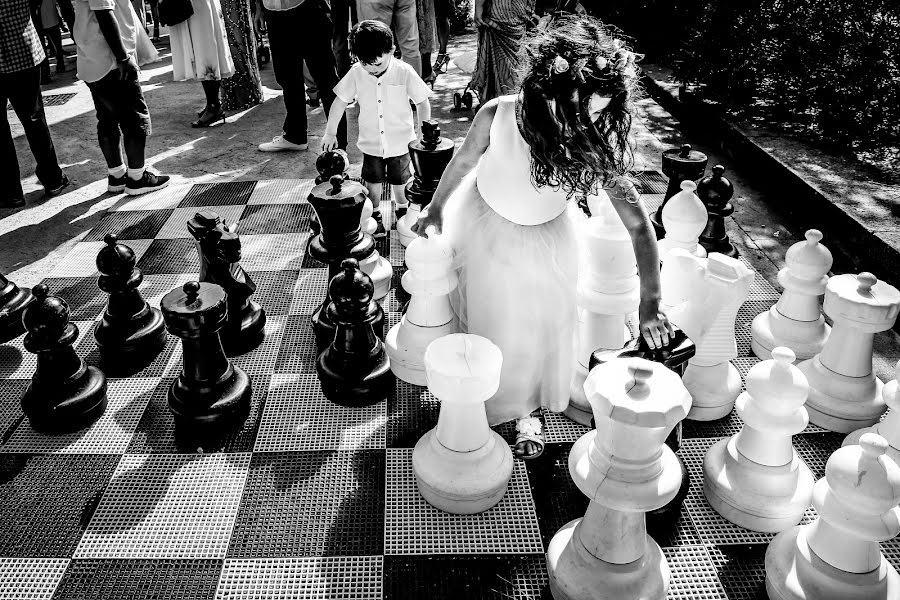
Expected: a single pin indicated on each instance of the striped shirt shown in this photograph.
(20, 47)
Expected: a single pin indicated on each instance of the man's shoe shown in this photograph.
(312, 102)
(114, 185)
(16, 203)
(56, 191)
(149, 182)
(279, 144)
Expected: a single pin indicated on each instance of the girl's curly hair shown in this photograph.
(562, 67)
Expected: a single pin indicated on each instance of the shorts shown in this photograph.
(394, 170)
(444, 9)
(120, 105)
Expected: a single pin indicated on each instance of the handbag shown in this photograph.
(173, 12)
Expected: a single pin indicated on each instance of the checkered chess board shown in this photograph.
(307, 500)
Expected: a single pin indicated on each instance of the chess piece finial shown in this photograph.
(684, 218)
(13, 302)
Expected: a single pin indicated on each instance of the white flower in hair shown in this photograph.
(560, 65)
(602, 63)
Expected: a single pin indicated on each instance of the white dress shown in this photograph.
(516, 255)
(200, 45)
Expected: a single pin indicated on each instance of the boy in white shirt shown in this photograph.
(383, 88)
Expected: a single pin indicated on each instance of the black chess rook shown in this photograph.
(64, 395)
(678, 164)
(13, 301)
(715, 191)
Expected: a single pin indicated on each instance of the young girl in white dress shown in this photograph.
(503, 203)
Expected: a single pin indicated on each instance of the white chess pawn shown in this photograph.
(707, 317)
(429, 316)
(889, 427)
(684, 218)
(462, 466)
(796, 321)
(755, 479)
(608, 292)
(625, 469)
(844, 393)
(405, 223)
(837, 557)
(677, 275)
(366, 222)
(375, 266)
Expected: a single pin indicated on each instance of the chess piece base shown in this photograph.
(355, 385)
(127, 348)
(579, 409)
(14, 303)
(840, 403)
(805, 338)
(892, 451)
(668, 514)
(248, 334)
(462, 483)
(576, 574)
(224, 403)
(714, 390)
(754, 496)
(406, 343)
(794, 572)
(380, 270)
(68, 406)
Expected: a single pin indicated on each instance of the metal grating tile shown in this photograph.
(748, 311)
(298, 346)
(397, 254)
(168, 197)
(315, 578)
(412, 412)
(275, 218)
(309, 262)
(890, 549)
(110, 434)
(57, 99)
(129, 225)
(11, 392)
(261, 360)
(560, 428)
(170, 256)
(652, 202)
(167, 506)
(742, 572)
(32, 578)
(154, 287)
(412, 526)
(273, 252)
(298, 417)
(281, 191)
(311, 504)
(274, 290)
(651, 181)
(816, 448)
(140, 579)
(469, 577)
(157, 368)
(18, 363)
(47, 500)
(693, 574)
(742, 339)
(309, 291)
(760, 289)
(218, 194)
(176, 225)
(86, 301)
(81, 261)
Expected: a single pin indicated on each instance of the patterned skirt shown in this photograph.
(499, 43)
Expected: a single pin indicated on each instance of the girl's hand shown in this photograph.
(429, 218)
(655, 326)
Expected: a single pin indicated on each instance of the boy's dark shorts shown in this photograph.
(393, 170)
(120, 104)
(444, 9)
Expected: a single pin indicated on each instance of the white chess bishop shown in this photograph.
(429, 316)
(889, 427)
(608, 291)
(755, 479)
(844, 394)
(838, 557)
(462, 466)
(796, 320)
(625, 469)
(684, 217)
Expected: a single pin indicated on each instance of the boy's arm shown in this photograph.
(127, 64)
(423, 112)
(329, 140)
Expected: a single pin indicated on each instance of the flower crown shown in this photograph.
(620, 63)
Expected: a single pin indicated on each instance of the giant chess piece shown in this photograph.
(354, 370)
(796, 320)
(889, 427)
(429, 280)
(608, 291)
(13, 302)
(678, 164)
(339, 204)
(220, 254)
(755, 479)
(707, 317)
(429, 156)
(844, 393)
(684, 217)
(625, 469)
(715, 191)
(328, 164)
(210, 392)
(462, 466)
(64, 394)
(838, 556)
(677, 276)
(131, 332)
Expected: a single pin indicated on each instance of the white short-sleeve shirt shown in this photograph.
(95, 59)
(385, 117)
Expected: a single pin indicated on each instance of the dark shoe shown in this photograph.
(149, 182)
(61, 66)
(17, 203)
(400, 211)
(56, 191)
(156, 34)
(312, 102)
(209, 117)
(380, 231)
(114, 185)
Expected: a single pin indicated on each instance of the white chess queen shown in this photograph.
(503, 204)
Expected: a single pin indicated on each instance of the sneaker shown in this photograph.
(279, 144)
(56, 191)
(380, 231)
(149, 182)
(15, 203)
(114, 185)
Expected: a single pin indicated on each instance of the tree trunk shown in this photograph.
(243, 89)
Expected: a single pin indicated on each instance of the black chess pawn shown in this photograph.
(13, 302)
(430, 157)
(131, 332)
(678, 164)
(715, 191)
(210, 391)
(328, 164)
(64, 394)
(354, 370)
(339, 204)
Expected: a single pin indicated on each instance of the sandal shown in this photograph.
(528, 430)
(440, 63)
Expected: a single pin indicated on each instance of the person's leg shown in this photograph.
(316, 48)
(68, 13)
(24, 91)
(154, 12)
(54, 34)
(284, 27)
(405, 24)
(340, 15)
(442, 14)
(374, 173)
(11, 193)
(211, 91)
(312, 91)
(134, 120)
(108, 134)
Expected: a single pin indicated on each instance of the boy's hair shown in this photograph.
(370, 39)
(565, 64)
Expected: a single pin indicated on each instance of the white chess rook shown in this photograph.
(844, 393)
(462, 466)
(755, 479)
(429, 316)
(677, 276)
(608, 292)
(796, 321)
(889, 427)
(684, 216)
(838, 556)
(625, 469)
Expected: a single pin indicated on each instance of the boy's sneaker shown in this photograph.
(149, 182)
(380, 231)
(114, 185)
(279, 144)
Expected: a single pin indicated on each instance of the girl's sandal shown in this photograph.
(529, 430)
